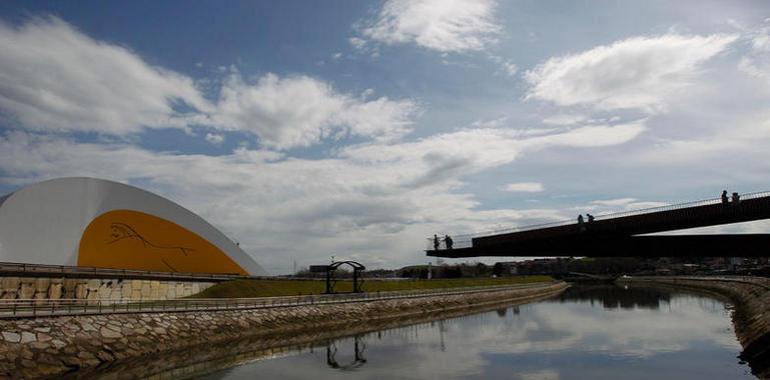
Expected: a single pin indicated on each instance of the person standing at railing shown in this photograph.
(724, 197)
(590, 218)
(448, 241)
(736, 199)
(435, 242)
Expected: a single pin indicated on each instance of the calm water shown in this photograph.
(587, 333)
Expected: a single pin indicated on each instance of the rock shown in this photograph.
(11, 336)
(41, 284)
(42, 337)
(55, 291)
(58, 344)
(104, 356)
(86, 355)
(27, 291)
(39, 346)
(108, 333)
(27, 337)
(81, 291)
(10, 283)
(87, 326)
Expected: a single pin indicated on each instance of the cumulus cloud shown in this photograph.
(525, 187)
(301, 111)
(636, 73)
(510, 68)
(215, 138)
(53, 77)
(442, 25)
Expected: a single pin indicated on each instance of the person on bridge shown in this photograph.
(435, 242)
(724, 197)
(590, 218)
(448, 241)
(736, 198)
(580, 219)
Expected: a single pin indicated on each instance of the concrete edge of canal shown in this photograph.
(54, 346)
(751, 316)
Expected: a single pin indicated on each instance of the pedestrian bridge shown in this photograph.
(626, 233)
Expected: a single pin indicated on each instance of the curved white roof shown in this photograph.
(44, 223)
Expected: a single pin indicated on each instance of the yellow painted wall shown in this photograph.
(126, 239)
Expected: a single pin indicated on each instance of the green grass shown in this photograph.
(284, 287)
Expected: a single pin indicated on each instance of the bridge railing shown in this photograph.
(25, 308)
(465, 240)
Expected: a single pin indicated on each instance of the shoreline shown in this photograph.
(751, 316)
(56, 346)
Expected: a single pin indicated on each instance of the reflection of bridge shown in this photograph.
(619, 234)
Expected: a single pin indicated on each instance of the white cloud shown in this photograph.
(621, 204)
(509, 68)
(301, 111)
(756, 62)
(52, 77)
(564, 119)
(614, 202)
(525, 187)
(215, 138)
(358, 43)
(442, 25)
(638, 72)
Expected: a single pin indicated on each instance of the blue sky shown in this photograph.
(355, 129)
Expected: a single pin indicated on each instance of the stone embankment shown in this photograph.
(102, 289)
(53, 346)
(751, 317)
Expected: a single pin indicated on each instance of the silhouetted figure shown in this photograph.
(724, 197)
(580, 219)
(590, 218)
(448, 241)
(736, 198)
(435, 242)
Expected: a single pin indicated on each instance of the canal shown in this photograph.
(586, 333)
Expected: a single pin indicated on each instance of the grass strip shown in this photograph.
(292, 287)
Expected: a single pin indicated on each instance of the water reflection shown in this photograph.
(614, 297)
(585, 333)
(358, 360)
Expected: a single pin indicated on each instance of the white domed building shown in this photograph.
(90, 222)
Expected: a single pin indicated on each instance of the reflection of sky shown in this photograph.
(685, 337)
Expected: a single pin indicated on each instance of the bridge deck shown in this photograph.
(615, 234)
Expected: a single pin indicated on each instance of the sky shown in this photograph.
(356, 129)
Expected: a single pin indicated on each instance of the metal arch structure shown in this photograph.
(358, 280)
(626, 233)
